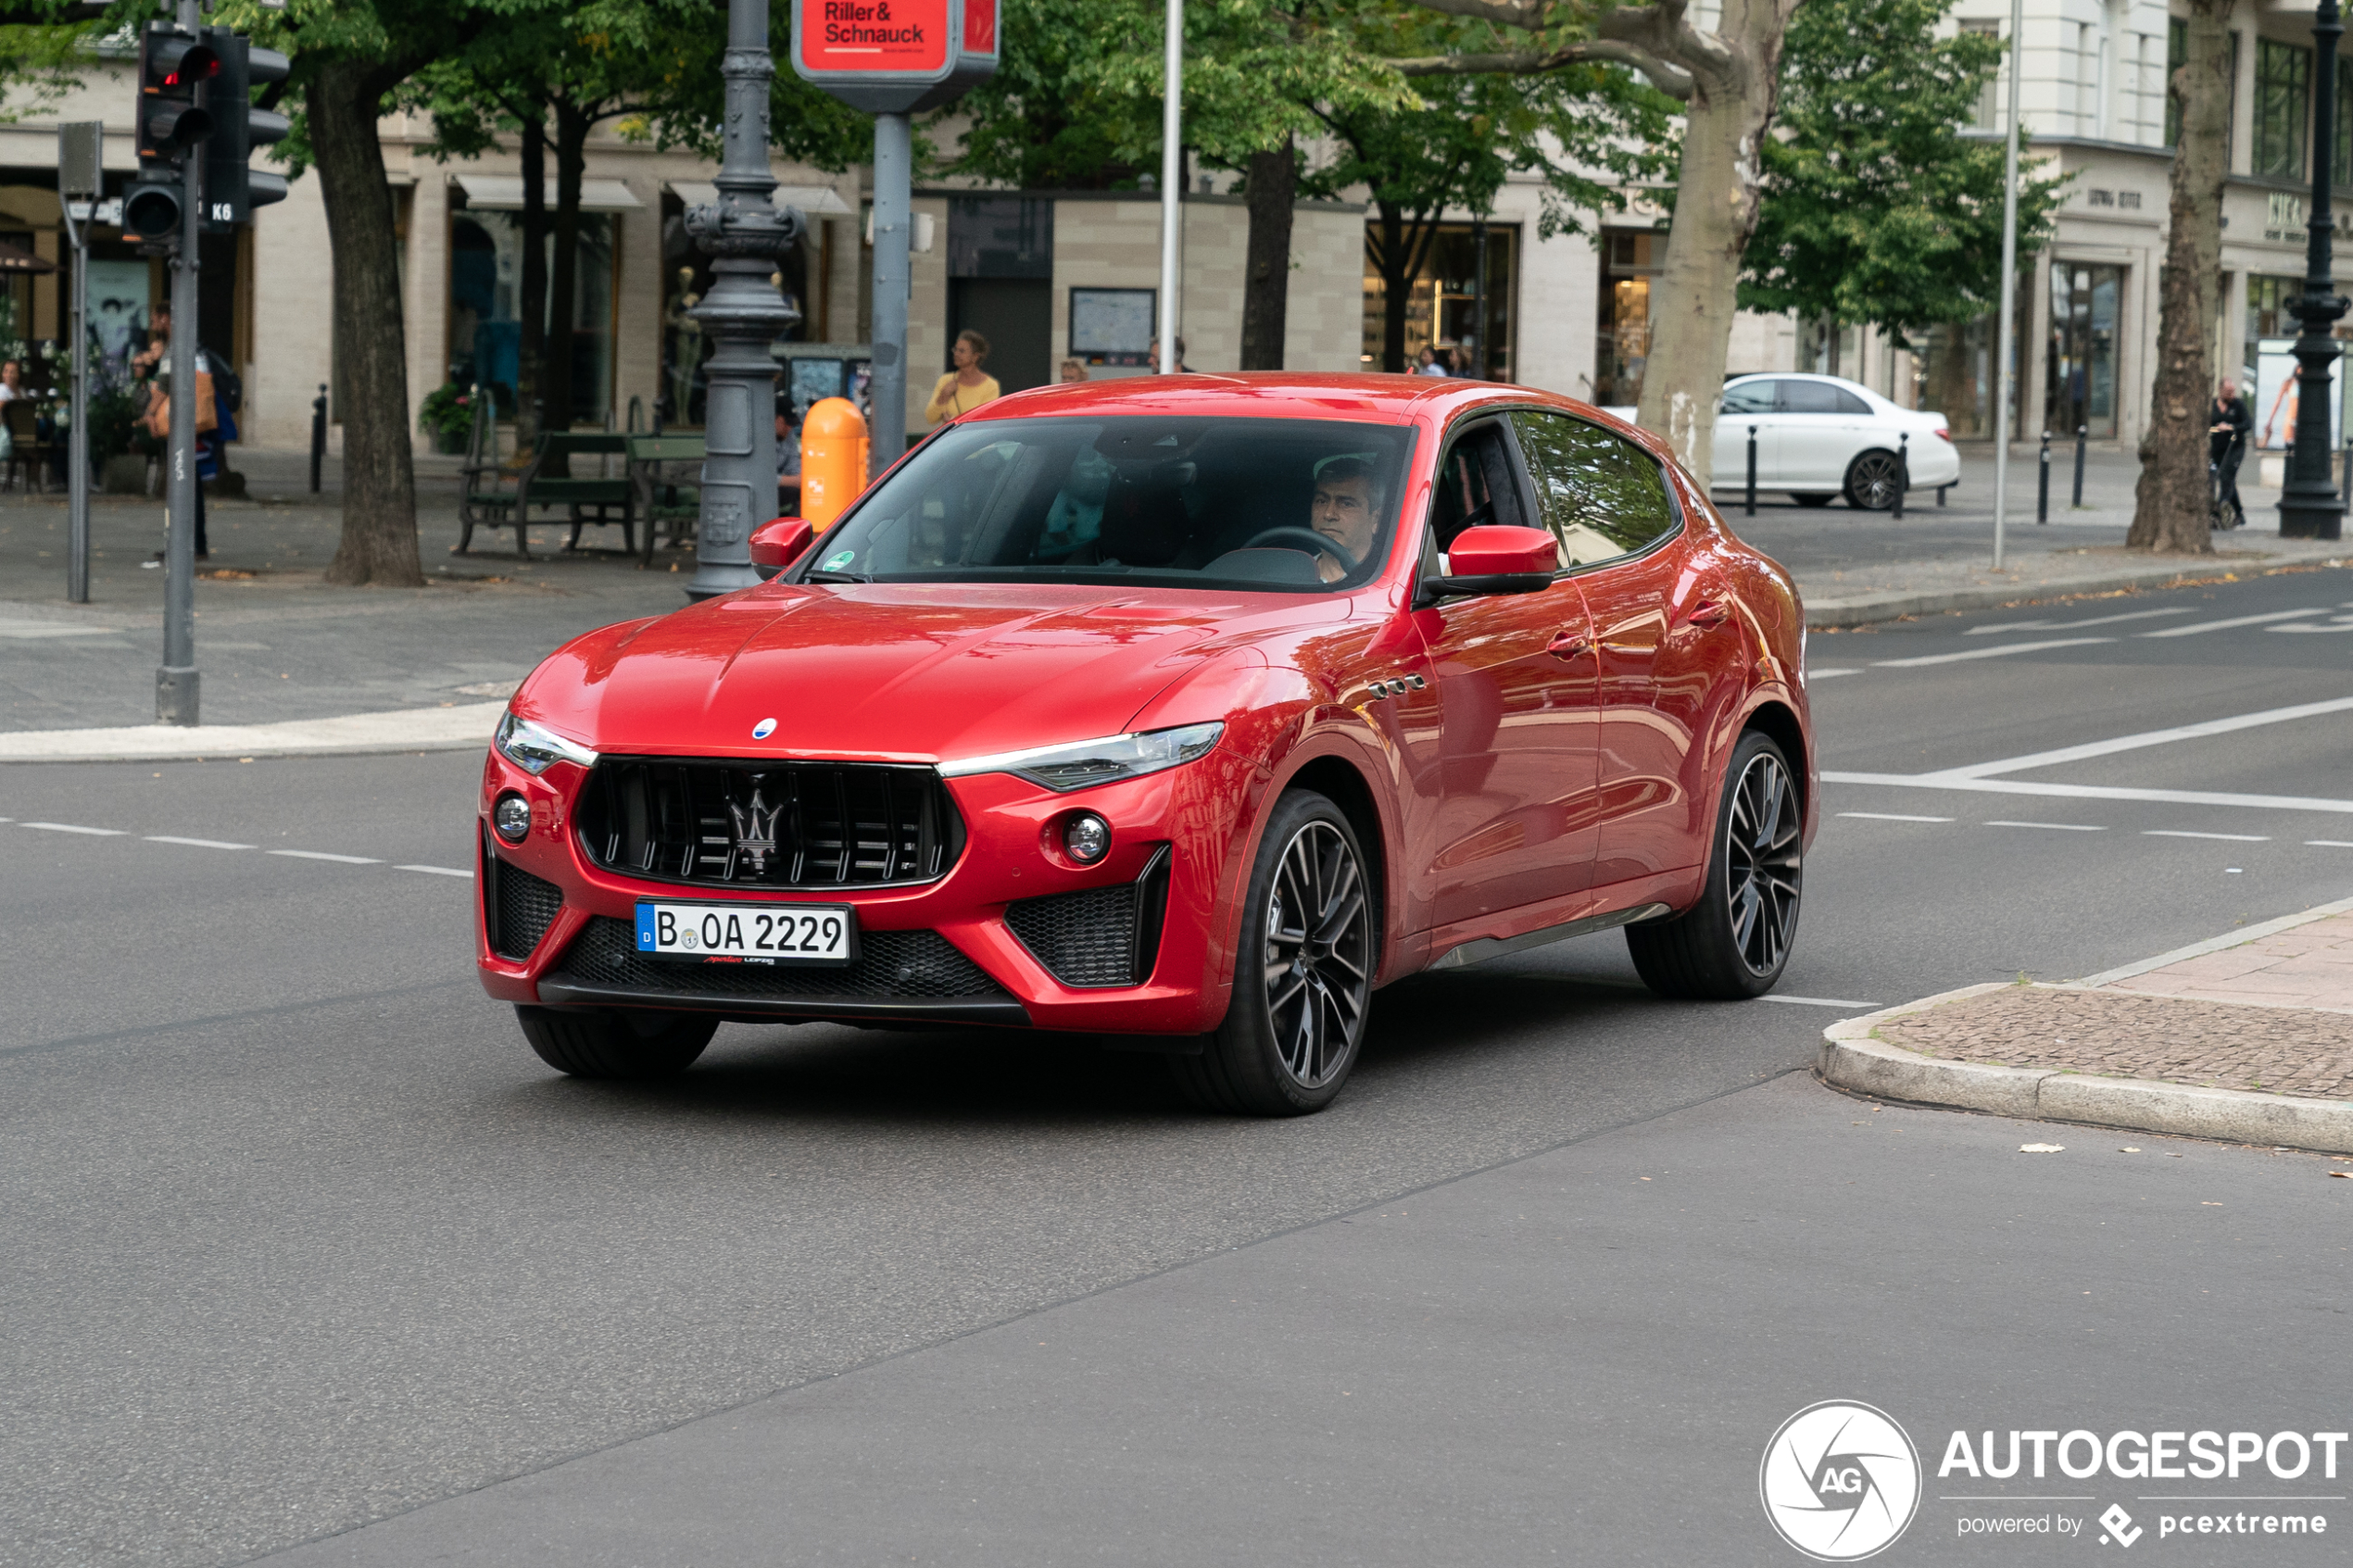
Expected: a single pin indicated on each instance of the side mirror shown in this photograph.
(1496, 560)
(779, 542)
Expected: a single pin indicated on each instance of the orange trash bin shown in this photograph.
(832, 460)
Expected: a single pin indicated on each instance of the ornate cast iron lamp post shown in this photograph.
(2309, 505)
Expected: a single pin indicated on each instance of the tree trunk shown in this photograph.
(379, 541)
(2170, 503)
(532, 305)
(1271, 185)
(571, 163)
(1397, 257)
(1734, 87)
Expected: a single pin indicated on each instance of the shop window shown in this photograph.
(486, 326)
(2080, 357)
(1441, 307)
(1630, 260)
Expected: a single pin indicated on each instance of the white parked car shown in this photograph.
(1820, 437)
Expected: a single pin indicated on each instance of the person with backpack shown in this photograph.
(219, 395)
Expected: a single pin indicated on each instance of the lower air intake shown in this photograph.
(525, 906)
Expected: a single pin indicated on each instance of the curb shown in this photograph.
(1863, 610)
(1852, 1059)
(461, 728)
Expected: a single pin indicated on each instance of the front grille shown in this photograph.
(525, 906)
(1102, 936)
(772, 824)
(892, 965)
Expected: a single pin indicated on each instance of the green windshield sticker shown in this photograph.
(838, 559)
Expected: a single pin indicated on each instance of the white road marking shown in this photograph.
(2235, 621)
(2342, 623)
(2098, 792)
(2328, 843)
(1892, 816)
(2055, 827)
(2045, 626)
(196, 843)
(1987, 653)
(1828, 674)
(1817, 1001)
(30, 631)
(69, 827)
(2227, 837)
(321, 855)
(435, 870)
(2150, 737)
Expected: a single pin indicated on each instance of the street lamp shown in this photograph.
(2309, 505)
(744, 234)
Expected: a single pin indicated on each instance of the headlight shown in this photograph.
(1066, 768)
(533, 749)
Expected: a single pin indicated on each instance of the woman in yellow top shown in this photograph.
(967, 386)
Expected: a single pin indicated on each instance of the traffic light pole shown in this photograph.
(176, 679)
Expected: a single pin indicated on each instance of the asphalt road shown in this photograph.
(305, 1245)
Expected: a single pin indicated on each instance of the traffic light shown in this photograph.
(232, 189)
(174, 64)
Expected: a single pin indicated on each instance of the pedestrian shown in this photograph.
(149, 361)
(788, 463)
(216, 422)
(11, 380)
(967, 386)
(1182, 369)
(2227, 424)
(1073, 371)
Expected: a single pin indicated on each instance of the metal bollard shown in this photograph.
(1752, 470)
(2043, 485)
(318, 435)
(2079, 432)
(2344, 470)
(1903, 470)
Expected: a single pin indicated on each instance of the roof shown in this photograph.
(1297, 394)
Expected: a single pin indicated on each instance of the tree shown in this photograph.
(350, 58)
(1876, 206)
(1728, 81)
(2169, 506)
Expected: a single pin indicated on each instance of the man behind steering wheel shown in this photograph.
(1346, 509)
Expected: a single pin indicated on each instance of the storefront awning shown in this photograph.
(15, 258)
(503, 193)
(817, 201)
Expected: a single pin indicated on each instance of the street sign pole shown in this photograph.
(894, 216)
(176, 679)
(743, 313)
(81, 174)
(2006, 333)
(1172, 184)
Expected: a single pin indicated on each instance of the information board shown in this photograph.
(894, 56)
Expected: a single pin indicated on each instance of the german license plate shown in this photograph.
(807, 934)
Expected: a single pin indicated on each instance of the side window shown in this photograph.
(1810, 397)
(1605, 498)
(1750, 397)
(1476, 488)
(1850, 404)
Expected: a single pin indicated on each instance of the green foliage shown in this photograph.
(114, 419)
(689, 109)
(1876, 207)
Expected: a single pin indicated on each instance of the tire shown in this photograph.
(1735, 941)
(619, 1043)
(1302, 989)
(1872, 480)
(1814, 498)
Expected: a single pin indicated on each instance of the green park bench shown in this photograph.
(588, 498)
(659, 501)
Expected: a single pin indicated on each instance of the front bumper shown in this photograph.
(943, 952)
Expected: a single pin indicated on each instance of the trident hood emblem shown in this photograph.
(756, 829)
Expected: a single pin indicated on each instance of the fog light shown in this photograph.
(1086, 838)
(511, 818)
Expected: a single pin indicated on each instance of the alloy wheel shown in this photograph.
(1873, 481)
(1318, 959)
(1761, 863)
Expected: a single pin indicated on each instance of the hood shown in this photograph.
(912, 672)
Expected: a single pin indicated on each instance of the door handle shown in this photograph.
(1708, 614)
(1566, 646)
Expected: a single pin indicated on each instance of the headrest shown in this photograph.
(1143, 526)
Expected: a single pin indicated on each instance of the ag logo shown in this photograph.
(1841, 1481)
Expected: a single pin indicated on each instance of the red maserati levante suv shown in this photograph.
(1196, 708)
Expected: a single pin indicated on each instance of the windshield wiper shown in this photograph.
(836, 577)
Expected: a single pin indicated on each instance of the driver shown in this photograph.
(1346, 510)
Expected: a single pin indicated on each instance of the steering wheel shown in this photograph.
(1291, 538)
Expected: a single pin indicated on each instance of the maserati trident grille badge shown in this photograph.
(756, 830)
(762, 730)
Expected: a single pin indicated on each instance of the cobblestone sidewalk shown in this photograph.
(2273, 1014)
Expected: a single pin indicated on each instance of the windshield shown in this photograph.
(1278, 505)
